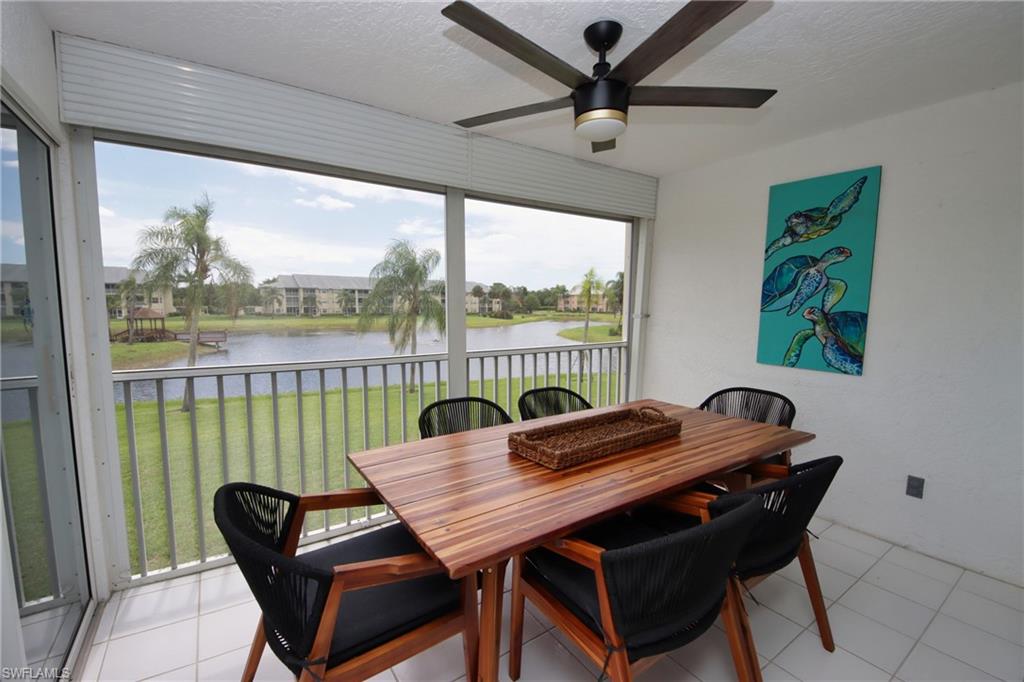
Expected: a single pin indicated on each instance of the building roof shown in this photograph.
(141, 313)
(18, 272)
(333, 282)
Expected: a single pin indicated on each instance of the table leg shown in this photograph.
(490, 621)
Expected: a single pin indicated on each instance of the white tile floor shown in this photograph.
(896, 615)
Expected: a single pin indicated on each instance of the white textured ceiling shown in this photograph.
(834, 64)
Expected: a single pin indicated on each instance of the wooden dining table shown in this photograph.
(473, 504)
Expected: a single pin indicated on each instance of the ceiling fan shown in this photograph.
(601, 101)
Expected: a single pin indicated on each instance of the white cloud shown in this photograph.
(11, 164)
(8, 140)
(417, 227)
(12, 229)
(271, 252)
(106, 212)
(536, 248)
(350, 189)
(326, 202)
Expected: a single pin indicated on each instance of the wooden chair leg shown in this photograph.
(618, 667)
(471, 626)
(515, 650)
(748, 633)
(814, 592)
(259, 641)
(746, 671)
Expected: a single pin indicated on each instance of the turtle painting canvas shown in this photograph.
(816, 282)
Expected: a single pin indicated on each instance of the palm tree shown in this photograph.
(309, 303)
(402, 290)
(129, 291)
(184, 251)
(590, 289)
(614, 290)
(345, 300)
(270, 298)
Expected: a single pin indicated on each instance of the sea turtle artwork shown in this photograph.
(797, 280)
(811, 223)
(817, 287)
(841, 335)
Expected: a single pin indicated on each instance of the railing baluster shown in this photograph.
(44, 490)
(579, 371)
(618, 377)
(590, 375)
(197, 469)
(223, 429)
(250, 430)
(419, 391)
(508, 383)
(384, 400)
(495, 386)
(626, 373)
(480, 361)
(277, 429)
(166, 460)
(323, 443)
(366, 419)
(9, 519)
(534, 371)
(301, 432)
(522, 374)
(608, 384)
(344, 438)
(437, 382)
(133, 459)
(600, 376)
(405, 417)
(469, 376)
(558, 368)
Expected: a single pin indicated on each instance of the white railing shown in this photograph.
(26, 509)
(292, 425)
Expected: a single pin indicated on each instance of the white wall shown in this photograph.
(941, 394)
(29, 62)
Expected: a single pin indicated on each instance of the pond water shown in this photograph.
(305, 345)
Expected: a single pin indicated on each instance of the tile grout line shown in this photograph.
(925, 630)
(836, 601)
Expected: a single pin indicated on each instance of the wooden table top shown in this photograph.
(471, 503)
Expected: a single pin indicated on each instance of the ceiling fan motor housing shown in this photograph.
(600, 108)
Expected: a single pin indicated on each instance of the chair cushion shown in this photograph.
(575, 586)
(373, 616)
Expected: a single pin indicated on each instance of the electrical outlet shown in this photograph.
(915, 487)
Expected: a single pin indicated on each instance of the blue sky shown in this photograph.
(282, 221)
(12, 242)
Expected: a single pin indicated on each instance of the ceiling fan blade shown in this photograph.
(681, 96)
(683, 28)
(515, 112)
(605, 146)
(493, 31)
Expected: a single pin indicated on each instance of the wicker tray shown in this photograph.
(581, 440)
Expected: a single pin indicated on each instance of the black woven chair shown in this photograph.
(545, 402)
(625, 591)
(780, 535)
(757, 405)
(453, 415)
(397, 601)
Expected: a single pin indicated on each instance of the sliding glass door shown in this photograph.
(42, 557)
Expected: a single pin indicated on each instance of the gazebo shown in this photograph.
(145, 324)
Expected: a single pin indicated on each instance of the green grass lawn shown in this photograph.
(297, 472)
(598, 333)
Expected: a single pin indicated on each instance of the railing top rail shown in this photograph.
(16, 383)
(123, 375)
(564, 348)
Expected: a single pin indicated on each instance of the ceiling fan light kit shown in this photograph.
(601, 102)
